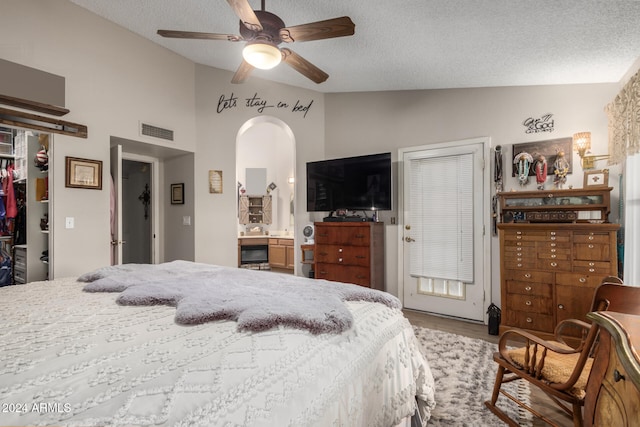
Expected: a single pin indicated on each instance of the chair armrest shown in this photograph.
(536, 346)
(575, 325)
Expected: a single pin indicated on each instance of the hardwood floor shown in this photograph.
(539, 400)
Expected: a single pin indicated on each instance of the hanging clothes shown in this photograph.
(11, 205)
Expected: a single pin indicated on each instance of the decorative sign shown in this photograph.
(215, 182)
(550, 149)
(261, 105)
(541, 124)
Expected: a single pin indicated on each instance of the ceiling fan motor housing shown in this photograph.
(271, 25)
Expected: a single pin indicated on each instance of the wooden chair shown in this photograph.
(555, 367)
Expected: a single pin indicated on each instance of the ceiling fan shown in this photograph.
(264, 31)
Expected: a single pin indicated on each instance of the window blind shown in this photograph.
(441, 217)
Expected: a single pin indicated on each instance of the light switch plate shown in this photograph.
(69, 222)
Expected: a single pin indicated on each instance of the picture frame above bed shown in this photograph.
(83, 173)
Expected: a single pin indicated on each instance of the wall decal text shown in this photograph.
(260, 105)
(541, 124)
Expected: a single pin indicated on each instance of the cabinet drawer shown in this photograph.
(345, 255)
(519, 262)
(20, 256)
(592, 251)
(529, 276)
(593, 267)
(20, 276)
(577, 279)
(357, 236)
(530, 304)
(554, 265)
(524, 320)
(591, 237)
(523, 288)
(557, 254)
(337, 273)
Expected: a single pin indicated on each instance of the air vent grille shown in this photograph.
(156, 132)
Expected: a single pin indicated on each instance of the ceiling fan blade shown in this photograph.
(246, 14)
(196, 35)
(303, 66)
(242, 73)
(337, 27)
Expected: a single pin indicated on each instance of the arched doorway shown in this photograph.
(265, 165)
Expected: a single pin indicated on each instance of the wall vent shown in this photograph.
(156, 132)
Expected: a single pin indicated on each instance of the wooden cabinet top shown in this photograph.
(625, 332)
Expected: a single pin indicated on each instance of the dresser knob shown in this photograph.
(591, 246)
(617, 376)
(527, 303)
(519, 265)
(561, 306)
(592, 270)
(590, 237)
(339, 259)
(554, 264)
(529, 320)
(553, 233)
(340, 250)
(582, 280)
(591, 264)
(553, 237)
(527, 275)
(528, 288)
(554, 256)
(553, 245)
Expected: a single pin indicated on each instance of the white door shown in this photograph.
(444, 249)
(116, 205)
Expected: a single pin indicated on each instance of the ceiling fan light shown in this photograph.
(262, 55)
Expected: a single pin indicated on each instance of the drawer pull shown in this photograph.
(527, 275)
(592, 270)
(518, 237)
(519, 265)
(617, 376)
(553, 245)
(553, 233)
(339, 259)
(529, 320)
(561, 306)
(340, 250)
(582, 280)
(528, 303)
(591, 264)
(591, 237)
(528, 288)
(519, 243)
(554, 256)
(591, 246)
(553, 237)
(554, 250)
(554, 264)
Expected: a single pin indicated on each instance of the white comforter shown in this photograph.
(78, 359)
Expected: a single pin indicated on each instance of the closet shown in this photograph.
(24, 211)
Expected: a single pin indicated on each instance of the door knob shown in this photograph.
(409, 239)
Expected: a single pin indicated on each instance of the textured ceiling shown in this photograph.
(414, 44)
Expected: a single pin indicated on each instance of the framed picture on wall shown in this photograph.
(83, 173)
(596, 178)
(177, 194)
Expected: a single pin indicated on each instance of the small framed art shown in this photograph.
(177, 194)
(83, 173)
(596, 178)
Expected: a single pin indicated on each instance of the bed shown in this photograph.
(73, 355)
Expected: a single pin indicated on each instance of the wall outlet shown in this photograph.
(186, 220)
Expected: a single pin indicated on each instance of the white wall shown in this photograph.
(360, 123)
(114, 79)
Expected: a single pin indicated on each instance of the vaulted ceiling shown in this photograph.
(413, 44)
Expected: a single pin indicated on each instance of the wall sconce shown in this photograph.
(582, 144)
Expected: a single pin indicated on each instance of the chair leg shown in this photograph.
(494, 398)
(577, 415)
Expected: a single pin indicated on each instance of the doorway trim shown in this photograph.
(485, 209)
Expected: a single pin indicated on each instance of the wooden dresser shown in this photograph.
(613, 390)
(351, 252)
(551, 261)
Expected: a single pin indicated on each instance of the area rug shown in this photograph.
(464, 374)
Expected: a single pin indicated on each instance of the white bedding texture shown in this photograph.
(74, 358)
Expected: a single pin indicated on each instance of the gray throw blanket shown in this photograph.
(256, 300)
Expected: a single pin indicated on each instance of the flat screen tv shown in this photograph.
(352, 183)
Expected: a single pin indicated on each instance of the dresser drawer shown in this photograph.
(592, 251)
(519, 262)
(554, 265)
(355, 275)
(524, 320)
(530, 304)
(529, 276)
(524, 288)
(593, 267)
(341, 254)
(591, 237)
(578, 279)
(355, 235)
